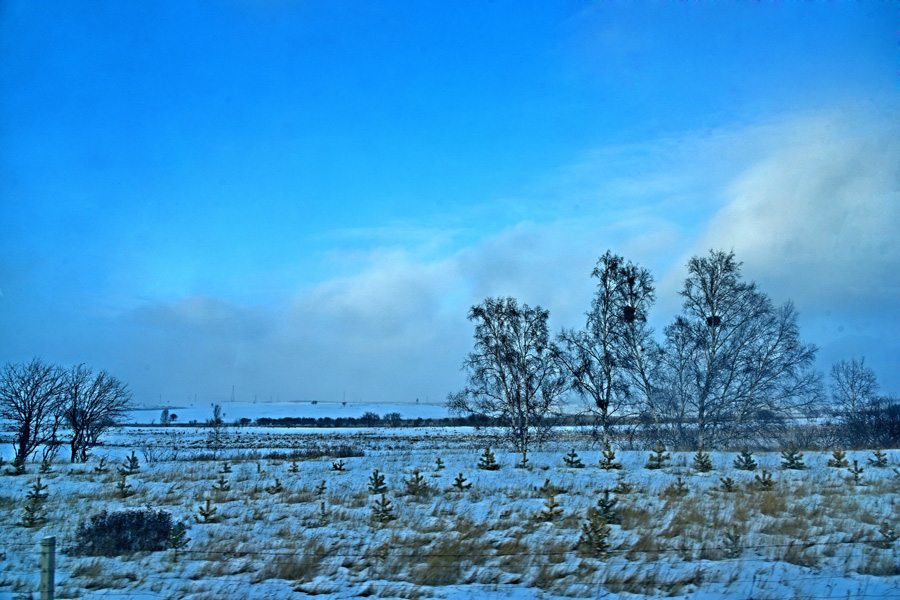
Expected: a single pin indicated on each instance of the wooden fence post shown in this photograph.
(48, 567)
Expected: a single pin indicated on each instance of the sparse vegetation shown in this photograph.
(528, 521)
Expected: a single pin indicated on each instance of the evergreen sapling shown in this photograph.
(595, 535)
(792, 458)
(207, 513)
(177, 539)
(131, 465)
(123, 487)
(658, 457)
(856, 471)
(487, 462)
(764, 480)
(744, 461)
(608, 462)
(376, 483)
(572, 461)
(460, 483)
(702, 462)
(551, 509)
(606, 508)
(839, 459)
(879, 459)
(382, 510)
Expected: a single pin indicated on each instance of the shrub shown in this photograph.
(123, 532)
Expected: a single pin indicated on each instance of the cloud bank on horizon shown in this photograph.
(303, 201)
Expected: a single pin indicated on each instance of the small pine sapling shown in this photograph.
(608, 462)
(606, 508)
(595, 535)
(382, 510)
(792, 458)
(889, 535)
(417, 485)
(879, 459)
(38, 492)
(732, 546)
(487, 462)
(676, 489)
(658, 457)
(572, 461)
(764, 480)
(320, 489)
(101, 466)
(177, 539)
(46, 466)
(522, 464)
(130, 465)
(34, 514)
(123, 487)
(338, 466)
(728, 484)
(461, 484)
(856, 471)
(324, 513)
(551, 509)
(294, 468)
(702, 462)
(226, 467)
(207, 513)
(438, 464)
(275, 488)
(839, 459)
(744, 461)
(549, 488)
(377, 484)
(221, 485)
(622, 486)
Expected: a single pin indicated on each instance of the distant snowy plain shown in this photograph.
(816, 535)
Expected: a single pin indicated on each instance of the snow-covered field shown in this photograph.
(309, 531)
(233, 411)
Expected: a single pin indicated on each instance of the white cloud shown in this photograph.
(817, 220)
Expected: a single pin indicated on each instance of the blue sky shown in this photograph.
(302, 199)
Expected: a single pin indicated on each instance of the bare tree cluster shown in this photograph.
(42, 402)
(865, 419)
(730, 368)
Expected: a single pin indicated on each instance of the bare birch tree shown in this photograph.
(611, 361)
(513, 376)
(732, 357)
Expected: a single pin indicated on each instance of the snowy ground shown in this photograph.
(232, 411)
(815, 535)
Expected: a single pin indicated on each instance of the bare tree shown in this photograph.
(853, 385)
(513, 376)
(215, 437)
(30, 399)
(93, 404)
(610, 361)
(733, 360)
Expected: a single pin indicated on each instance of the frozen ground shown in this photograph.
(815, 535)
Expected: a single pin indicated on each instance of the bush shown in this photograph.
(123, 532)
